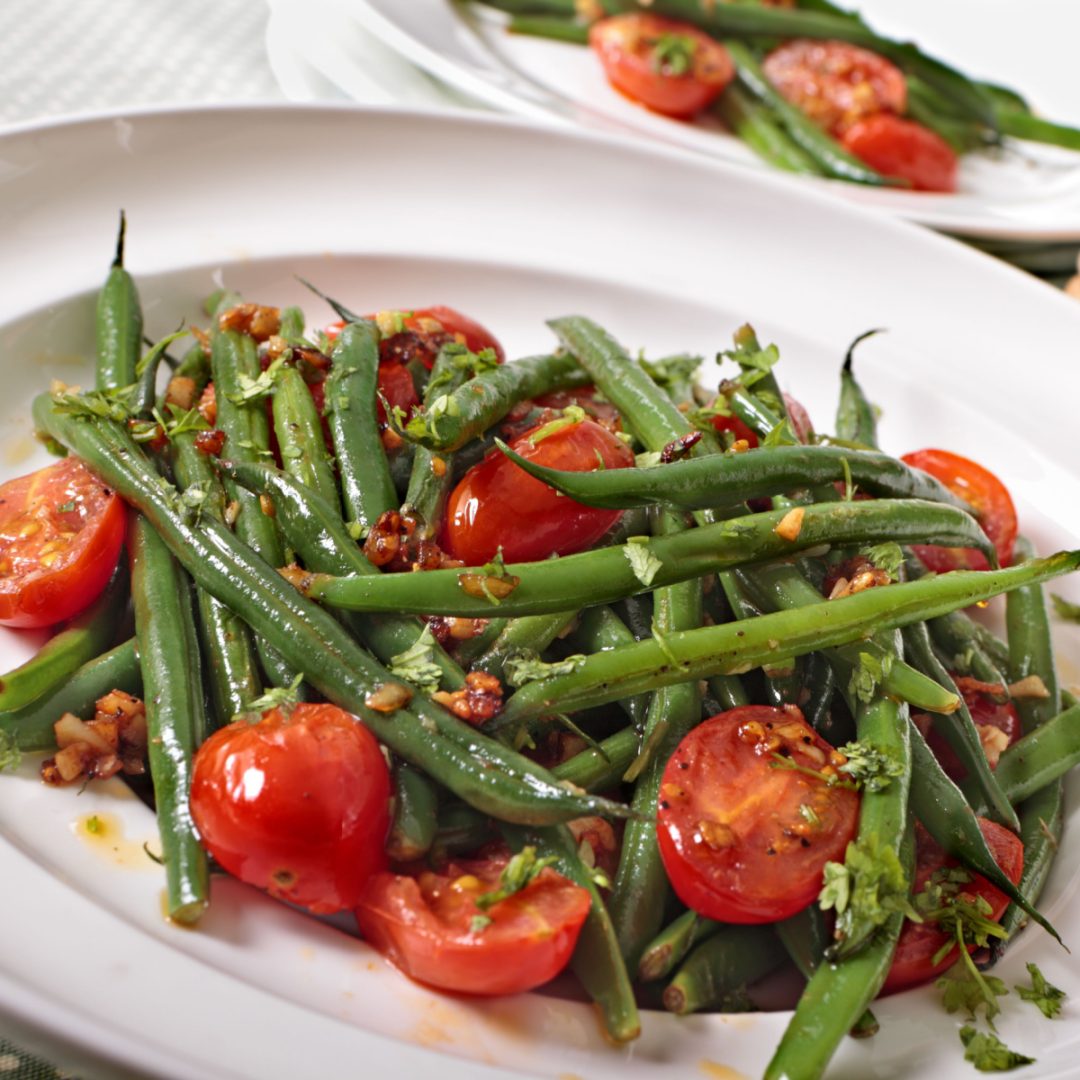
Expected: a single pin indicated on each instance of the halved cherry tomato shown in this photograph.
(744, 839)
(429, 925)
(61, 531)
(904, 150)
(988, 715)
(834, 83)
(737, 428)
(913, 961)
(985, 492)
(297, 804)
(801, 423)
(667, 66)
(497, 505)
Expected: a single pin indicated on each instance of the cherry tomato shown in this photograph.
(737, 428)
(985, 493)
(427, 924)
(670, 67)
(61, 531)
(801, 423)
(599, 408)
(743, 839)
(913, 961)
(834, 83)
(297, 804)
(904, 150)
(397, 388)
(987, 715)
(497, 505)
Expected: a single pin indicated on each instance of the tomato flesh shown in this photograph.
(919, 943)
(904, 150)
(986, 713)
(296, 804)
(985, 493)
(669, 67)
(497, 505)
(61, 531)
(834, 83)
(424, 924)
(743, 839)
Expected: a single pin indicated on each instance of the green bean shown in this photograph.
(32, 726)
(603, 575)
(175, 716)
(941, 807)
(723, 963)
(959, 730)
(550, 27)
(826, 153)
(779, 679)
(314, 530)
(856, 417)
(227, 646)
(299, 435)
(1042, 815)
(641, 882)
(415, 821)
(757, 126)
(119, 323)
(1032, 763)
(599, 629)
(835, 998)
(1023, 125)
(696, 483)
(667, 950)
(367, 489)
(529, 634)
(485, 400)
(596, 961)
(84, 637)
(599, 768)
(432, 472)
(461, 830)
(473, 766)
(565, 8)
(734, 647)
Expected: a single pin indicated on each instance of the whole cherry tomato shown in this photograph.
(497, 505)
(670, 67)
(61, 531)
(297, 803)
(985, 493)
(430, 926)
(903, 150)
(743, 838)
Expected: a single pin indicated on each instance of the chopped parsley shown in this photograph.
(673, 54)
(869, 674)
(988, 1053)
(282, 698)
(520, 872)
(1064, 610)
(10, 755)
(417, 663)
(872, 769)
(526, 666)
(644, 564)
(251, 390)
(1046, 997)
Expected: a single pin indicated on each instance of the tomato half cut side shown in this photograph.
(903, 150)
(834, 83)
(913, 961)
(497, 505)
(669, 67)
(297, 804)
(985, 493)
(429, 925)
(61, 531)
(743, 838)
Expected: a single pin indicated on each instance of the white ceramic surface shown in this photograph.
(396, 209)
(1026, 192)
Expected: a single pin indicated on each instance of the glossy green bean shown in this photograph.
(667, 950)
(551, 27)
(89, 634)
(119, 323)
(719, 480)
(299, 435)
(1023, 125)
(415, 820)
(31, 727)
(733, 647)
(757, 126)
(367, 488)
(856, 417)
(530, 633)
(603, 575)
(599, 629)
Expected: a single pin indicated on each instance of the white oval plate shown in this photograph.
(513, 224)
(1027, 193)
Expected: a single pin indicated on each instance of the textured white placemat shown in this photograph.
(61, 57)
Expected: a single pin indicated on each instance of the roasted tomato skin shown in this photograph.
(630, 49)
(296, 804)
(424, 924)
(986, 713)
(913, 961)
(61, 531)
(985, 493)
(497, 505)
(904, 150)
(834, 83)
(733, 835)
